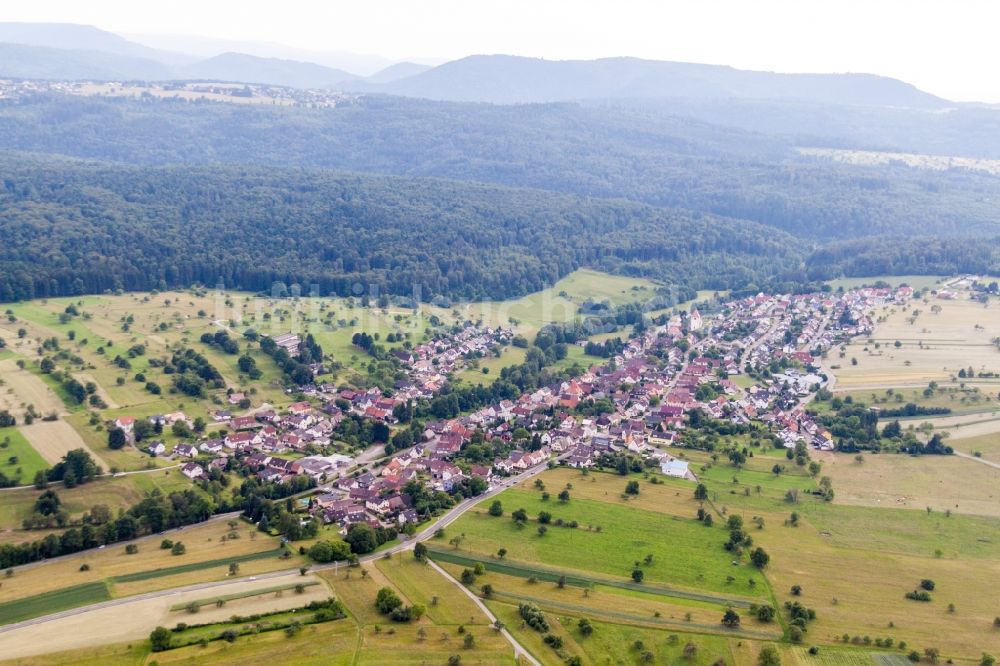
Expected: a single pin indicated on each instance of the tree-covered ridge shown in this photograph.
(611, 151)
(75, 227)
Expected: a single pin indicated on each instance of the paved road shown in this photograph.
(519, 650)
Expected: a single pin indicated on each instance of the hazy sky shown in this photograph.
(947, 47)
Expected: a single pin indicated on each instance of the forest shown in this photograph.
(613, 150)
(75, 227)
(465, 201)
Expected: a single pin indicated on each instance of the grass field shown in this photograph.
(934, 345)
(685, 553)
(886, 551)
(940, 482)
(20, 388)
(915, 281)
(987, 446)
(51, 602)
(18, 460)
(116, 493)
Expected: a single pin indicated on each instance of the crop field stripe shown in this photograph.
(53, 602)
(630, 619)
(244, 595)
(553, 575)
(194, 566)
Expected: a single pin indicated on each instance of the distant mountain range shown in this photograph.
(510, 80)
(66, 51)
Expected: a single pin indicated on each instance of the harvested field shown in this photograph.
(53, 439)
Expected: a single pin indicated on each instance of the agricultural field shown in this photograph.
(945, 337)
(209, 549)
(132, 620)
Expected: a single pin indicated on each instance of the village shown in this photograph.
(756, 359)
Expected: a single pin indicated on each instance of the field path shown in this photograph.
(519, 650)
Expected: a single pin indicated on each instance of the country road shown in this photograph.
(519, 650)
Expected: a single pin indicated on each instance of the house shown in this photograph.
(125, 423)
(221, 416)
(236, 398)
(675, 468)
(185, 451)
(192, 471)
(300, 408)
(157, 448)
(289, 342)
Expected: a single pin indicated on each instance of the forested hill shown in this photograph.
(73, 227)
(602, 151)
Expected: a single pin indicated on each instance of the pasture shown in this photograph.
(609, 538)
(20, 389)
(899, 481)
(946, 336)
(114, 492)
(18, 460)
(886, 551)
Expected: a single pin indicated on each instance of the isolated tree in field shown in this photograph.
(632, 488)
(496, 508)
(502, 553)
(159, 639)
(690, 651)
(420, 551)
(520, 516)
(234, 568)
(542, 529)
(769, 656)
(701, 492)
(638, 575)
(759, 557)
(564, 496)
(586, 628)
(731, 618)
